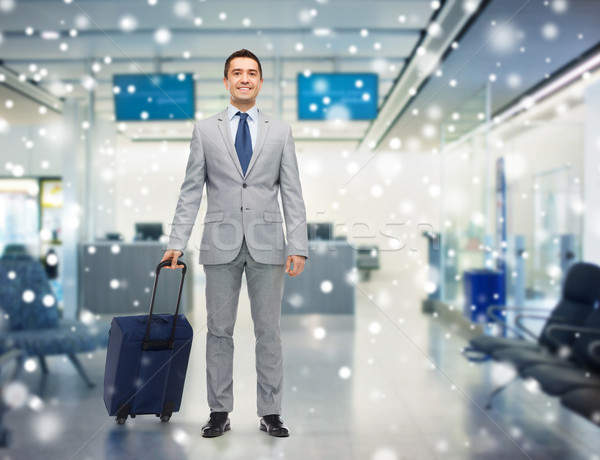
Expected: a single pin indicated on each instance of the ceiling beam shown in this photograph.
(294, 31)
(29, 90)
(451, 18)
(205, 59)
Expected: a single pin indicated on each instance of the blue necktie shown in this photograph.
(243, 142)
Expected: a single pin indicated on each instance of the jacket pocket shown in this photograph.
(272, 217)
(213, 217)
(272, 146)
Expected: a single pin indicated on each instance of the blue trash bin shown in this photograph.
(482, 288)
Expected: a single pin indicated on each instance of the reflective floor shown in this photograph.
(362, 387)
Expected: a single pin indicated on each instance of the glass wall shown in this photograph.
(542, 198)
(545, 204)
(19, 221)
(464, 200)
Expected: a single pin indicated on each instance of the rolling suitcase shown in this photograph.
(147, 360)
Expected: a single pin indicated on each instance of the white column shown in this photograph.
(102, 209)
(591, 175)
(89, 173)
(72, 210)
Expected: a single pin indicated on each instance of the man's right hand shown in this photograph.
(172, 255)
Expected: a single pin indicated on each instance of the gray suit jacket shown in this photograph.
(242, 206)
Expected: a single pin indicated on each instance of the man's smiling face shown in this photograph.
(243, 81)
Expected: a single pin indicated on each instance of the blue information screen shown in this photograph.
(331, 96)
(154, 97)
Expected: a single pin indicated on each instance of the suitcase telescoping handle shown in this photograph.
(171, 342)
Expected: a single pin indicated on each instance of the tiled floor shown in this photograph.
(394, 404)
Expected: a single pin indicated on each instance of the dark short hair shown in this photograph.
(244, 53)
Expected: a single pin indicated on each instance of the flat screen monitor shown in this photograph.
(140, 97)
(148, 231)
(320, 230)
(332, 96)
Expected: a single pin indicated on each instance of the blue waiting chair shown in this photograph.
(35, 326)
(6, 376)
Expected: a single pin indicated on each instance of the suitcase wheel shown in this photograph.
(165, 418)
(5, 437)
(132, 415)
(122, 414)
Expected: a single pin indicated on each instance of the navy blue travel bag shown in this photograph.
(147, 360)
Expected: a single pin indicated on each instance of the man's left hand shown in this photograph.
(297, 263)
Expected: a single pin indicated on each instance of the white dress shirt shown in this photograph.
(252, 121)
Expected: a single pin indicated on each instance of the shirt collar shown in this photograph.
(252, 113)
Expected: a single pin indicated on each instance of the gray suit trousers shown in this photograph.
(265, 290)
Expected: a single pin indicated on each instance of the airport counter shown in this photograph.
(327, 283)
(117, 278)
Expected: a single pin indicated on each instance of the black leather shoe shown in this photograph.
(274, 426)
(217, 424)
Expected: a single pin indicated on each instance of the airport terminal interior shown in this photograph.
(449, 159)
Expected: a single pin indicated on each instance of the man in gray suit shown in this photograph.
(246, 159)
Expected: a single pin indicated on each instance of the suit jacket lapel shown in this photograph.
(263, 130)
(223, 122)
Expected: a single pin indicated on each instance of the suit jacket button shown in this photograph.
(244, 185)
(241, 208)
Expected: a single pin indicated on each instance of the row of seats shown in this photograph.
(8, 370)
(565, 358)
(34, 323)
(33, 327)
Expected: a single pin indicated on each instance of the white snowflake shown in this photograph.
(128, 23)
(326, 286)
(15, 395)
(374, 328)
(182, 9)
(162, 36)
(28, 296)
(550, 31)
(345, 372)
(560, 6)
(384, 453)
(319, 333)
